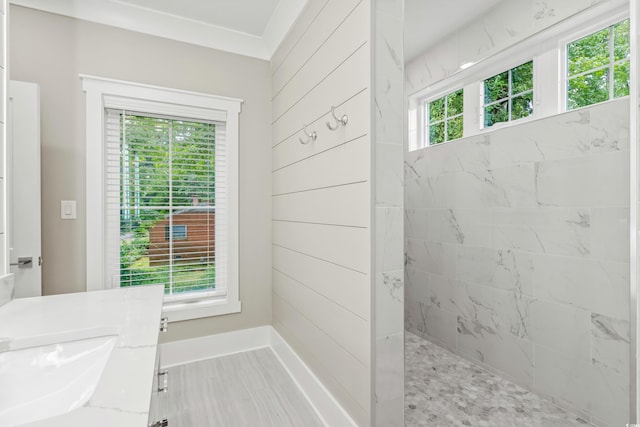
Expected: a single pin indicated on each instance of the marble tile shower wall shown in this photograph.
(389, 152)
(517, 254)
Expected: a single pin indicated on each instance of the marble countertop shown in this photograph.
(123, 394)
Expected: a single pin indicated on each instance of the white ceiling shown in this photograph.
(247, 27)
(429, 21)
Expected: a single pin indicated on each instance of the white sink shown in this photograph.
(44, 381)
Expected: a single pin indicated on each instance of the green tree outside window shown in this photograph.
(598, 66)
(509, 95)
(444, 118)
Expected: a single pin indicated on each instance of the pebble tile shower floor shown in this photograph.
(443, 389)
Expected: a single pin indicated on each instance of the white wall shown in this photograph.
(53, 50)
(322, 197)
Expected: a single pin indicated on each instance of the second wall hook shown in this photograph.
(339, 120)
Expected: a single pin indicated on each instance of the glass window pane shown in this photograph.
(621, 80)
(436, 133)
(588, 89)
(621, 40)
(144, 161)
(496, 113)
(454, 128)
(142, 243)
(496, 87)
(193, 163)
(522, 78)
(588, 53)
(522, 106)
(436, 110)
(455, 103)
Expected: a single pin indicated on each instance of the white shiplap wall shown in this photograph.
(322, 197)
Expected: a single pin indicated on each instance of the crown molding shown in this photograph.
(148, 21)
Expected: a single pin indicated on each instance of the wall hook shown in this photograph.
(311, 137)
(339, 120)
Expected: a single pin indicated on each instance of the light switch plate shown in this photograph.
(67, 209)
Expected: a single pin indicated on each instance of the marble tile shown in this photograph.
(389, 175)
(509, 270)
(610, 343)
(459, 226)
(553, 231)
(510, 187)
(434, 258)
(443, 389)
(430, 192)
(513, 312)
(389, 303)
(599, 391)
(610, 234)
(562, 328)
(390, 413)
(504, 352)
(430, 321)
(462, 155)
(389, 238)
(475, 304)
(597, 286)
(431, 289)
(596, 180)
(558, 137)
(389, 367)
(609, 129)
(416, 223)
(548, 12)
(416, 284)
(504, 312)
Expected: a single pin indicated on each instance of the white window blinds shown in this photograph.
(165, 203)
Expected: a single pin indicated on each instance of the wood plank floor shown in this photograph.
(244, 389)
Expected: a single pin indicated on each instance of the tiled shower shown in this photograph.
(517, 239)
(517, 254)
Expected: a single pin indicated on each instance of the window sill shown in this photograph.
(197, 309)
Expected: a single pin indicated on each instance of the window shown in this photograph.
(162, 194)
(166, 173)
(179, 232)
(580, 61)
(508, 96)
(598, 66)
(444, 118)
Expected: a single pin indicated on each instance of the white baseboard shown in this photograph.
(326, 406)
(210, 346)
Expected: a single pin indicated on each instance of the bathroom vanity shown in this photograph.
(84, 359)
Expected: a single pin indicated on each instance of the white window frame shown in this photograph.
(102, 93)
(547, 49)
(426, 114)
(510, 95)
(587, 30)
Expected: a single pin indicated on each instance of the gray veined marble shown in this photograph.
(443, 389)
(610, 343)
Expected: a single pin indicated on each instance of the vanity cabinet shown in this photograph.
(160, 386)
